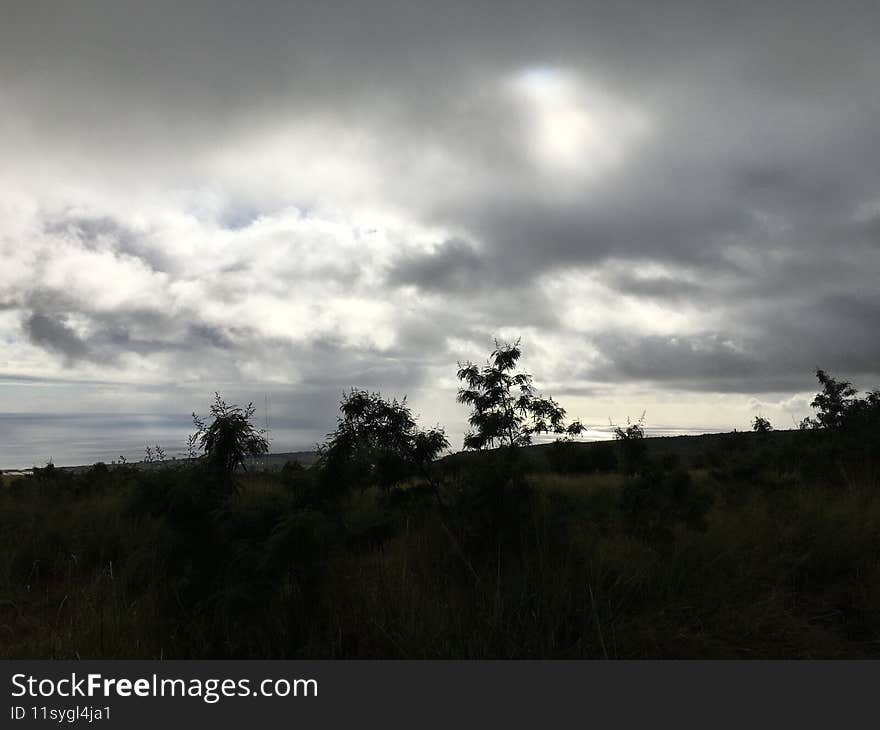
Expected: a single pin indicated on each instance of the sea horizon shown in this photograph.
(81, 439)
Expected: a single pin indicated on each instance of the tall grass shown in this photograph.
(125, 564)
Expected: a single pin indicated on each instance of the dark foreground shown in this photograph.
(749, 545)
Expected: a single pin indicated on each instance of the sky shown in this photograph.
(676, 206)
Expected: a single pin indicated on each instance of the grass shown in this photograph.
(135, 565)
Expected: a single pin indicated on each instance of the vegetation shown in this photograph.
(377, 443)
(751, 544)
(632, 445)
(506, 409)
(229, 438)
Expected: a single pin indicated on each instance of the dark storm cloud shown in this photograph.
(676, 357)
(454, 264)
(111, 71)
(837, 333)
(52, 333)
(137, 331)
(774, 351)
(657, 287)
(870, 225)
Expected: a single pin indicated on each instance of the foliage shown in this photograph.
(766, 548)
(506, 408)
(790, 569)
(377, 442)
(838, 406)
(761, 425)
(230, 438)
(154, 454)
(849, 426)
(632, 445)
(864, 414)
(833, 402)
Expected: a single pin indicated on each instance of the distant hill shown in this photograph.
(689, 449)
(275, 462)
(270, 462)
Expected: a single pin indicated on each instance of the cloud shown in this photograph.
(54, 334)
(699, 362)
(452, 265)
(301, 197)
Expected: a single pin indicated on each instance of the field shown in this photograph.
(726, 546)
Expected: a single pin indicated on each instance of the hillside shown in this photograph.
(690, 449)
(727, 545)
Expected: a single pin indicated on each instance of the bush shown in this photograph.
(631, 442)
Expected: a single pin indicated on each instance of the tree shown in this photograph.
(761, 425)
(506, 408)
(864, 413)
(838, 407)
(377, 442)
(833, 402)
(230, 437)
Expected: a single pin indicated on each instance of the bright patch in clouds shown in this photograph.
(575, 128)
(593, 304)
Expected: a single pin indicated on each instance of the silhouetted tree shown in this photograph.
(377, 442)
(230, 437)
(864, 413)
(761, 425)
(833, 402)
(838, 407)
(506, 408)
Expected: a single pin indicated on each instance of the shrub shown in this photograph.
(631, 441)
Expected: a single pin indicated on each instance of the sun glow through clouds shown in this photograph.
(575, 128)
